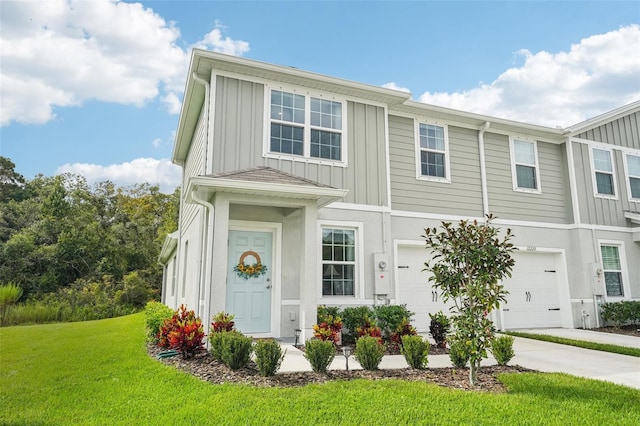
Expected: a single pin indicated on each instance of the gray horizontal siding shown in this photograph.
(239, 133)
(462, 196)
(623, 132)
(598, 210)
(552, 205)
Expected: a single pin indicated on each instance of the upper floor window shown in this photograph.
(305, 126)
(433, 156)
(603, 169)
(633, 171)
(524, 166)
(338, 262)
(612, 269)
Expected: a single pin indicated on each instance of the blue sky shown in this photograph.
(94, 87)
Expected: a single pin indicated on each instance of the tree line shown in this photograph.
(91, 251)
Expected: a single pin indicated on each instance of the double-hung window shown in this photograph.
(524, 166)
(603, 169)
(633, 173)
(338, 262)
(612, 270)
(433, 161)
(305, 126)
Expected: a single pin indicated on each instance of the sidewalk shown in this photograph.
(533, 354)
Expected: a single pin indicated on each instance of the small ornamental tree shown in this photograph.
(468, 263)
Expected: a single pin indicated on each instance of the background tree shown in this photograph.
(467, 265)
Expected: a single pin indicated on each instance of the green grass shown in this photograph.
(622, 350)
(97, 373)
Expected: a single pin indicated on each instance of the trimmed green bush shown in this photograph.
(216, 344)
(621, 313)
(389, 318)
(236, 349)
(352, 319)
(369, 352)
(415, 350)
(319, 353)
(458, 353)
(502, 349)
(155, 313)
(269, 356)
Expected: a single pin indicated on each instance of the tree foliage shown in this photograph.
(59, 234)
(468, 263)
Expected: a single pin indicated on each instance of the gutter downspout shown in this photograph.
(205, 272)
(207, 94)
(483, 171)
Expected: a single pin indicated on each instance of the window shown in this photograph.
(305, 126)
(633, 171)
(612, 270)
(338, 262)
(603, 167)
(433, 144)
(524, 166)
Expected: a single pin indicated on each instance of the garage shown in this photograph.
(533, 300)
(414, 289)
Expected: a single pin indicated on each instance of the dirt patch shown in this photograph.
(208, 369)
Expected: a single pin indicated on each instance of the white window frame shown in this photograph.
(306, 156)
(358, 288)
(596, 194)
(628, 175)
(419, 149)
(514, 164)
(626, 285)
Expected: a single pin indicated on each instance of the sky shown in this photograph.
(94, 87)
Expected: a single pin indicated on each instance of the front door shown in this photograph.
(249, 280)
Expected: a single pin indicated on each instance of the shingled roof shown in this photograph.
(266, 175)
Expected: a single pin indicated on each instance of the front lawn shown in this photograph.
(96, 373)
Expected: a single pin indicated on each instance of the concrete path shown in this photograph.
(533, 354)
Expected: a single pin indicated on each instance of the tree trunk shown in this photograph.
(473, 372)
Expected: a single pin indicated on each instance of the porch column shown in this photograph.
(218, 291)
(308, 270)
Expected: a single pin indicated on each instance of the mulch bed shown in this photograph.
(208, 369)
(628, 330)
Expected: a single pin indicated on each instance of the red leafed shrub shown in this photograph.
(222, 321)
(329, 329)
(371, 330)
(183, 332)
(404, 329)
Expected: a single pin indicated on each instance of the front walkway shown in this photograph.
(533, 354)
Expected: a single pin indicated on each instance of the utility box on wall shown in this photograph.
(381, 272)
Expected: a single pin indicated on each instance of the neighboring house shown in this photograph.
(329, 184)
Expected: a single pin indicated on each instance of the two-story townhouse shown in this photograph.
(301, 189)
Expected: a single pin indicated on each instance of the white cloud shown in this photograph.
(394, 86)
(156, 142)
(157, 172)
(62, 53)
(596, 75)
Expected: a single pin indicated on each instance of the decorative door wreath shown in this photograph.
(247, 271)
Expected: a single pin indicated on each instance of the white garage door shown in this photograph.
(533, 300)
(414, 288)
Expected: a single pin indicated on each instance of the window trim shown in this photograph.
(514, 164)
(306, 156)
(358, 287)
(419, 149)
(626, 285)
(594, 181)
(628, 175)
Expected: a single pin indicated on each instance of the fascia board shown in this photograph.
(604, 118)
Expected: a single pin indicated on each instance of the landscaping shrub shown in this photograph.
(415, 350)
(269, 356)
(319, 353)
(369, 329)
(324, 312)
(369, 352)
(216, 344)
(502, 349)
(439, 328)
(459, 353)
(236, 349)
(389, 317)
(404, 329)
(621, 313)
(222, 321)
(352, 318)
(329, 325)
(182, 332)
(155, 313)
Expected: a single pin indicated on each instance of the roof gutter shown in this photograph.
(483, 171)
(207, 248)
(207, 90)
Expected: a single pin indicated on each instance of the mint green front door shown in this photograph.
(249, 282)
